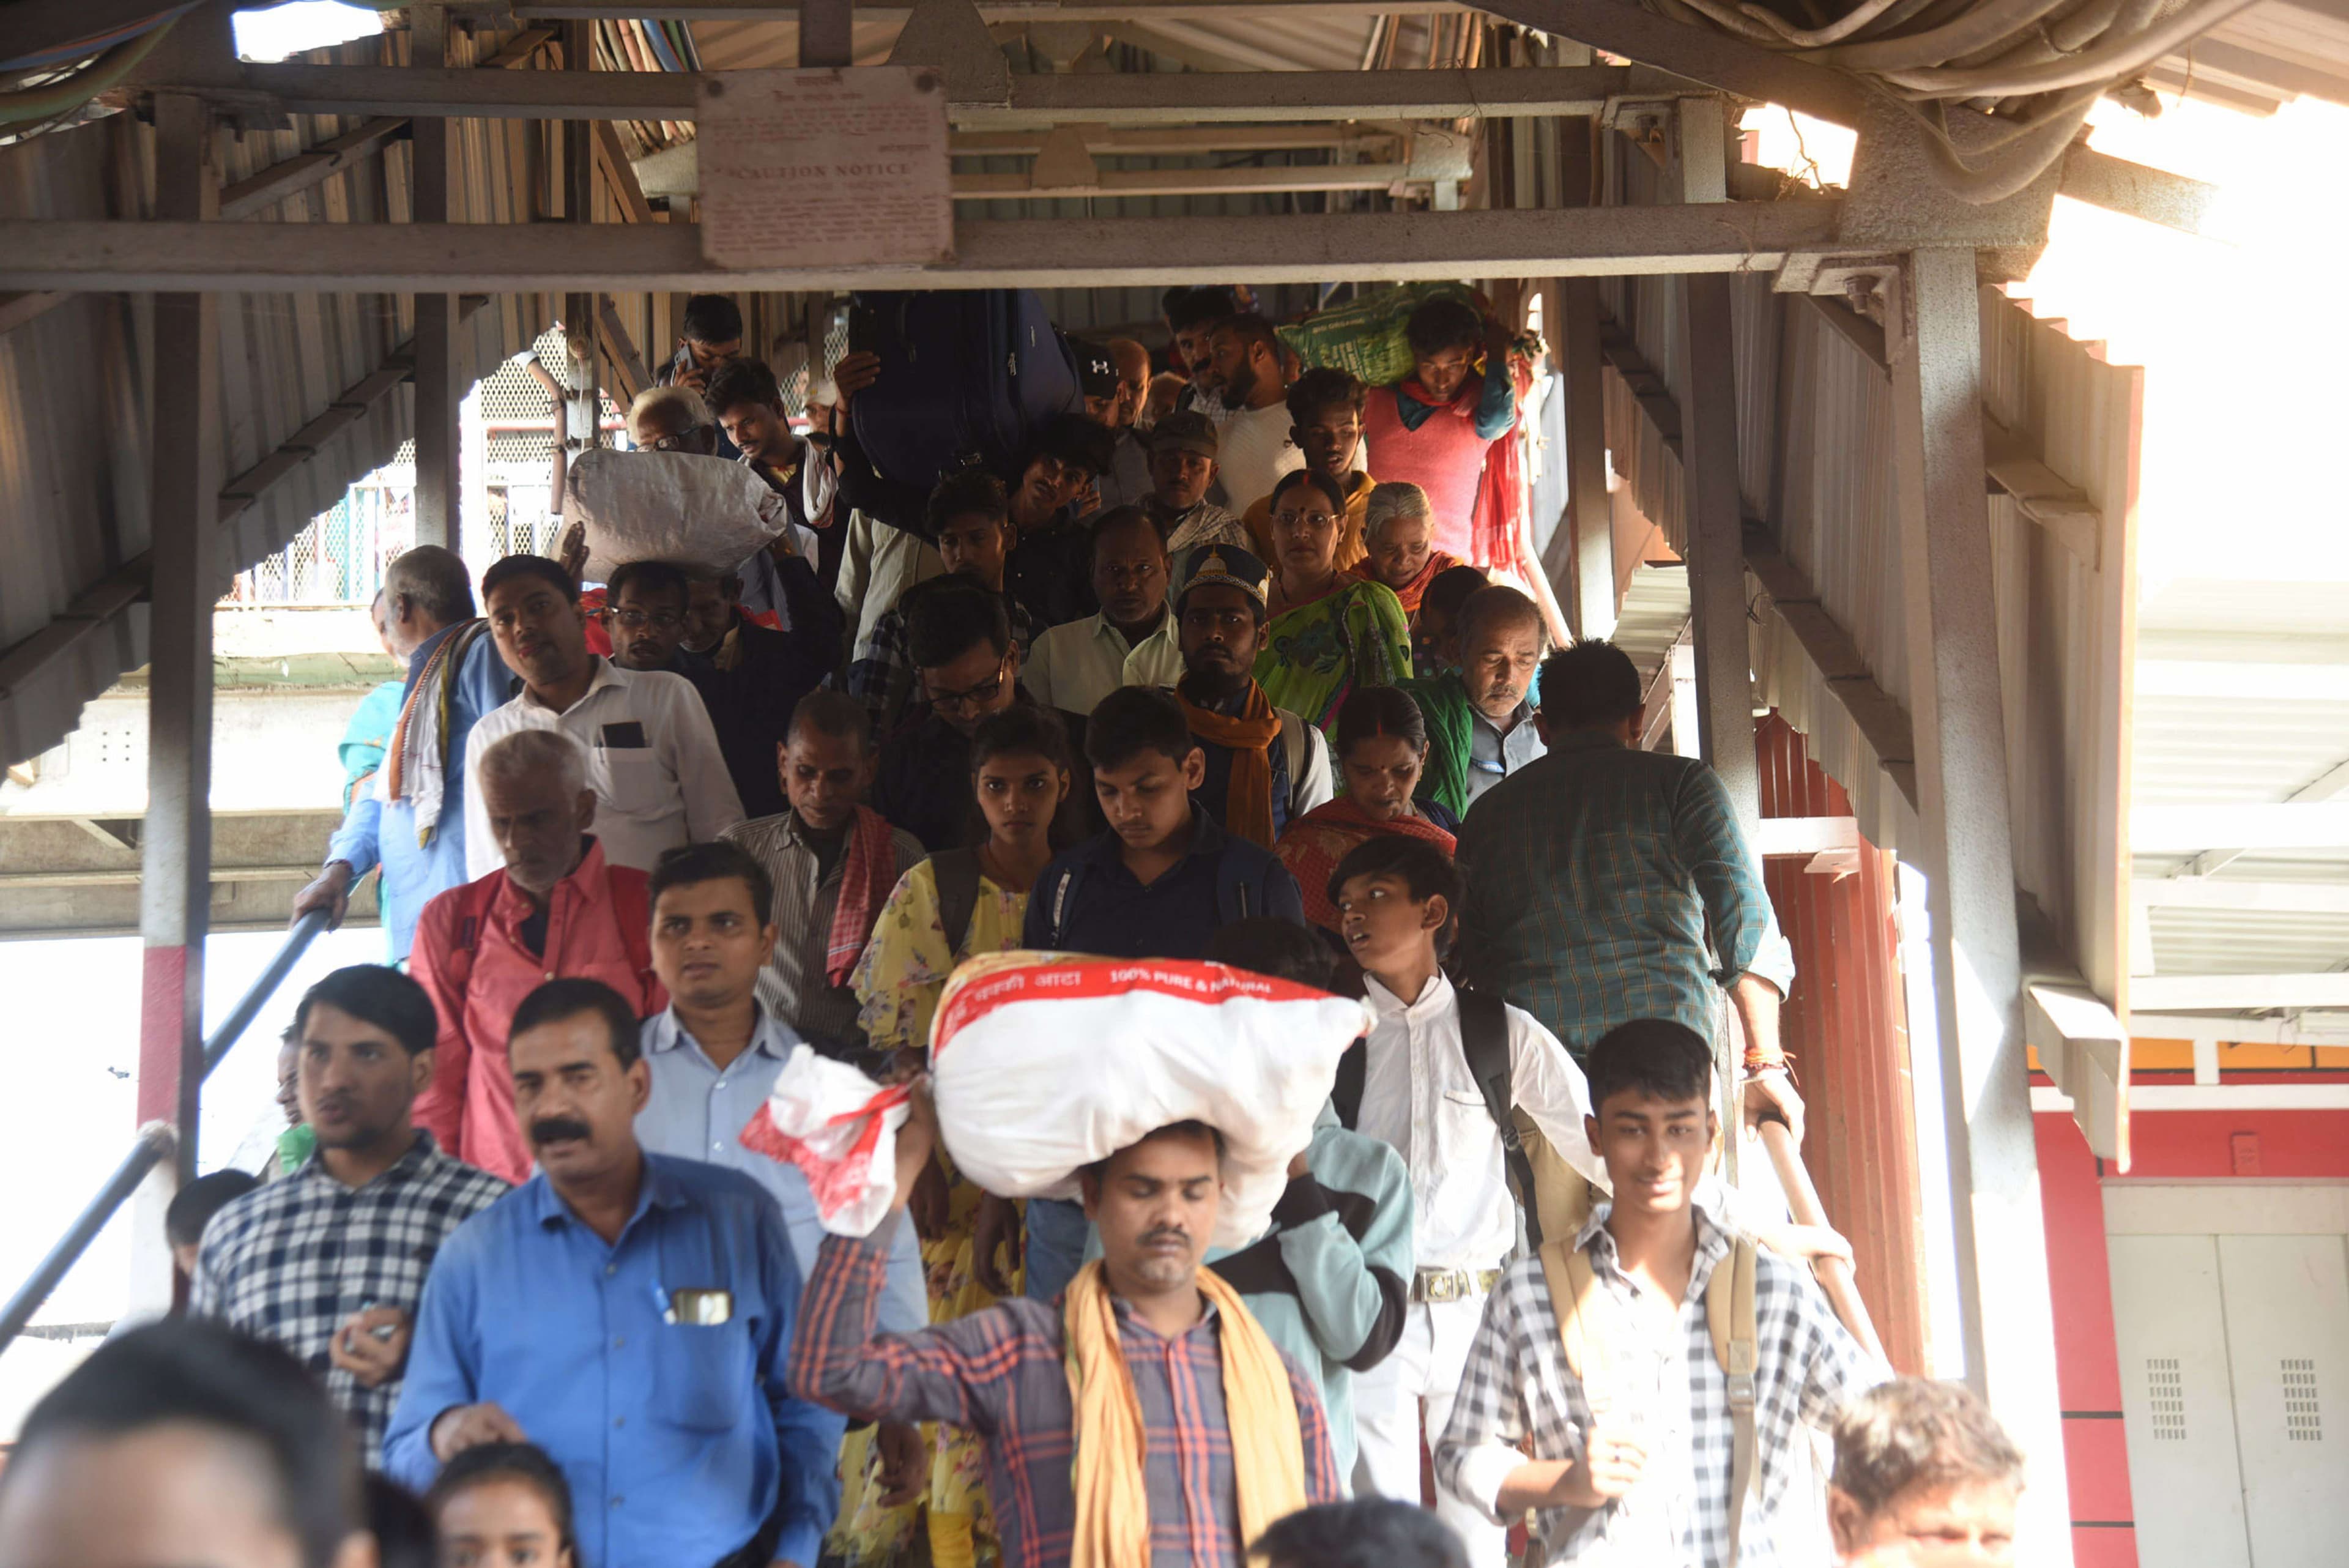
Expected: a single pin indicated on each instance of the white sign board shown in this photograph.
(824, 168)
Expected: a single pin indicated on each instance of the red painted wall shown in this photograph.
(2166, 1146)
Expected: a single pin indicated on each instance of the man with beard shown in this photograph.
(653, 761)
(1266, 767)
(556, 907)
(629, 1312)
(1146, 1402)
(1183, 468)
(747, 401)
(1191, 315)
(330, 1261)
(1255, 449)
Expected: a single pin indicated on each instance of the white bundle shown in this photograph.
(1042, 1065)
(839, 1128)
(699, 513)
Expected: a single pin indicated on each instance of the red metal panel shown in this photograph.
(1847, 1026)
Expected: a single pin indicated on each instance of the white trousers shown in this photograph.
(1422, 1372)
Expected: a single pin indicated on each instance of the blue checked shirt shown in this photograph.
(290, 1262)
(1605, 884)
(1671, 1392)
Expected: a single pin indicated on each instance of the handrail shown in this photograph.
(157, 1141)
(1835, 1276)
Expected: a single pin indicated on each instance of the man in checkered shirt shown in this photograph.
(329, 1262)
(1634, 1467)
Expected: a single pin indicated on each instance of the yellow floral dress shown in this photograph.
(898, 983)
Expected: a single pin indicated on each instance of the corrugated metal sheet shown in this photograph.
(1846, 1024)
(73, 489)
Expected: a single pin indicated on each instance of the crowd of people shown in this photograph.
(1203, 676)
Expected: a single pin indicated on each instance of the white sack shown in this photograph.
(697, 511)
(839, 1128)
(1042, 1065)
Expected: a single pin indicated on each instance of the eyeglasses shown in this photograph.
(669, 442)
(1310, 519)
(977, 697)
(637, 619)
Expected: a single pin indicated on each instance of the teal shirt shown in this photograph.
(367, 733)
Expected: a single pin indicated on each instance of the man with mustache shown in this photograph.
(1147, 1404)
(1266, 767)
(1480, 716)
(329, 1261)
(630, 1314)
(556, 907)
(653, 760)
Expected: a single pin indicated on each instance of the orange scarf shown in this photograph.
(1248, 806)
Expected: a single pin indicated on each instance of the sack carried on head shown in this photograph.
(1043, 1064)
(701, 512)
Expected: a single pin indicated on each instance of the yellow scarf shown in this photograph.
(1267, 1444)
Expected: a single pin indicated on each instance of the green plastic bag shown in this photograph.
(1364, 336)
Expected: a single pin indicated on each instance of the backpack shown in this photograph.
(1553, 1195)
(631, 907)
(1583, 1309)
(957, 871)
(967, 375)
(1237, 894)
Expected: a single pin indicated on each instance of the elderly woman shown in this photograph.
(1381, 746)
(1329, 631)
(1400, 532)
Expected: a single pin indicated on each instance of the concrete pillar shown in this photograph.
(183, 506)
(437, 440)
(1590, 510)
(2007, 1316)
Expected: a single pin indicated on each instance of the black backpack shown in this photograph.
(1485, 1042)
(957, 871)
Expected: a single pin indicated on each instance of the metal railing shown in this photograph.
(155, 1143)
(1837, 1280)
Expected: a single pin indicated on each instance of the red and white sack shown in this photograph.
(699, 513)
(1043, 1065)
(839, 1128)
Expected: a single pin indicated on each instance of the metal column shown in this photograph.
(1716, 507)
(583, 408)
(184, 468)
(1590, 513)
(437, 394)
(2007, 1316)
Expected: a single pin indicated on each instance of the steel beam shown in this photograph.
(1967, 851)
(1188, 98)
(502, 259)
(1589, 508)
(2155, 195)
(175, 884)
(438, 396)
(1834, 653)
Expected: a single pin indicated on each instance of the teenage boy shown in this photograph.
(1157, 883)
(1655, 1478)
(1415, 1087)
(1325, 413)
(715, 1052)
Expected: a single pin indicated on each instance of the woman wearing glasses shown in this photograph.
(1331, 632)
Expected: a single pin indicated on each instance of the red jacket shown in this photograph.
(468, 956)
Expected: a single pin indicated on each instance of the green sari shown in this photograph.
(1317, 653)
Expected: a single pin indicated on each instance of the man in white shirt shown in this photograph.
(653, 760)
(1254, 449)
(1073, 667)
(1395, 897)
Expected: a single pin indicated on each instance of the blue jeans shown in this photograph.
(1057, 1230)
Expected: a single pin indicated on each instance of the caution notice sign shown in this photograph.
(824, 168)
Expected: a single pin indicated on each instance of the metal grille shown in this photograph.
(2165, 1388)
(2302, 1420)
(340, 558)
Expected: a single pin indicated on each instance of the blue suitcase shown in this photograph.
(966, 376)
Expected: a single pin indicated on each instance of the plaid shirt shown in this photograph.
(1516, 1386)
(291, 1261)
(1001, 1373)
(1597, 878)
(882, 674)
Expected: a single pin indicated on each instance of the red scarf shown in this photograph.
(866, 875)
(1315, 842)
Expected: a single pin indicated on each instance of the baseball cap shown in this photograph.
(1096, 370)
(1186, 429)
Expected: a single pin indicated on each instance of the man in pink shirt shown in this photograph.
(556, 910)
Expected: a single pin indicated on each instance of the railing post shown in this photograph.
(175, 852)
(437, 515)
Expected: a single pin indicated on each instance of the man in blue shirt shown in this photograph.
(714, 1053)
(411, 818)
(629, 1312)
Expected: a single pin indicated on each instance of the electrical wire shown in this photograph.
(84, 49)
(52, 99)
(2036, 67)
